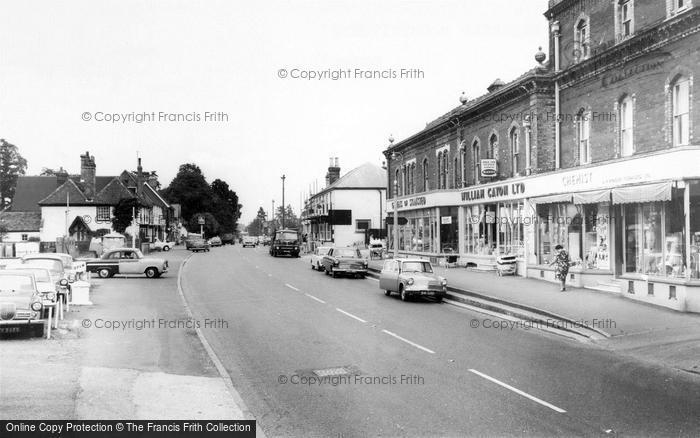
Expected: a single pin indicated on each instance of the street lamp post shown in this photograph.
(283, 212)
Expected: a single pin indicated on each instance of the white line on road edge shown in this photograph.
(291, 287)
(420, 347)
(373, 279)
(314, 298)
(517, 391)
(214, 358)
(350, 315)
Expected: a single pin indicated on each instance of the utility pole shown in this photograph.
(283, 208)
(133, 231)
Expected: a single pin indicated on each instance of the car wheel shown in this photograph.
(313, 268)
(166, 248)
(104, 273)
(387, 292)
(404, 295)
(318, 267)
(325, 271)
(334, 274)
(151, 272)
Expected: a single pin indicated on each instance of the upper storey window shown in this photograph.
(675, 7)
(582, 39)
(624, 22)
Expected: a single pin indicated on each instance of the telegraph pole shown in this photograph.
(283, 208)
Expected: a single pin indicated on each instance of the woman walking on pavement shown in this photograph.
(561, 268)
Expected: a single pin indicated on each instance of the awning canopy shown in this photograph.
(593, 197)
(552, 199)
(643, 193)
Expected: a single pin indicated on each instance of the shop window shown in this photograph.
(626, 126)
(480, 229)
(681, 112)
(596, 222)
(583, 128)
(553, 222)
(694, 187)
(449, 230)
(511, 230)
(654, 238)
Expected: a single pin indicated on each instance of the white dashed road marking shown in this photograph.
(350, 315)
(291, 287)
(519, 392)
(420, 347)
(314, 298)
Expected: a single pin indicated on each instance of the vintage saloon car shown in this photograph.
(411, 277)
(317, 257)
(342, 260)
(20, 301)
(127, 261)
(73, 269)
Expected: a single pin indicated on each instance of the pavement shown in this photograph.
(129, 356)
(316, 356)
(641, 330)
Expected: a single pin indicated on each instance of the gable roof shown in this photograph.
(68, 192)
(21, 220)
(366, 176)
(113, 192)
(30, 190)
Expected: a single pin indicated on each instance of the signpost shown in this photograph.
(489, 167)
(201, 223)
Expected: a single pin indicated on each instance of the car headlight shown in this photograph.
(63, 282)
(36, 306)
(410, 281)
(443, 282)
(71, 277)
(51, 296)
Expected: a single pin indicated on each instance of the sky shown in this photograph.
(246, 90)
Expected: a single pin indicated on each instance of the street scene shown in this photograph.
(312, 219)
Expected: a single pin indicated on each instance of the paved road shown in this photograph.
(285, 320)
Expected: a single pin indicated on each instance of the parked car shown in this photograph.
(266, 240)
(285, 242)
(343, 260)
(20, 301)
(197, 244)
(127, 261)
(50, 292)
(73, 269)
(410, 278)
(248, 241)
(160, 245)
(215, 241)
(376, 249)
(317, 257)
(59, 276)
(228, 239)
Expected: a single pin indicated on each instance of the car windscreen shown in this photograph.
(345, 252)
(286, 236)
(323, 251)
(16, 283)
(416, 267)
(41, 275)
(52, 265)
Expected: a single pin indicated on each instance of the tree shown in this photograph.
(226, 208)
(12, 165)
(211, 225)
(290, 219)
(124, 214)
(189, 188)
(259, 224)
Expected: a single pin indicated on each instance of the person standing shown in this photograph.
(561, 264)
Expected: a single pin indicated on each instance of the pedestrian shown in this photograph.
(561, 264)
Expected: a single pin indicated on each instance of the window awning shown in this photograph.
(552, 199)
(593, 197)
(643, 193)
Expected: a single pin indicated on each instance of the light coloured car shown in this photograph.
(249, 241)
(50, 292)
(20, 301)
(130, 261)
(412, 278)
(73, 269)
(317, 257)
(160, 245)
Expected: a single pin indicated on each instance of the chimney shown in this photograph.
(333, 171)
(139, 176)
(87, 175)
(61, 177)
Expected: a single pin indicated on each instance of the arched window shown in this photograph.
(445, 169)
(476, 163)
(514, 150)
(583, 128)
(426, 181)
(680, 104)
(464, 165)
(582, 39)
(455, 174)
(397, 183)
(493, 146)
(626, 126)
(439, 170)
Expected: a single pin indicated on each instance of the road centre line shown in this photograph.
(517, 391)
(351, 315)
(314, 298)
(418, 346)
(291, 287)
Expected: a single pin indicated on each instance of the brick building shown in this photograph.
(594, 149)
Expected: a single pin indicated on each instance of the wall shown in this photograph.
(365, 204)
(54, 220)
(17, 236)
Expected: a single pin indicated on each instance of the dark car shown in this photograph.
(215, 241)
(342, 260)
(197, 245)
(285, 242)
(228, 239)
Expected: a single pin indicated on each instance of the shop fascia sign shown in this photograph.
(516, 189)
(489, 167)
(418, 201)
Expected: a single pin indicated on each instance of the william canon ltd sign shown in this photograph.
(494, 192)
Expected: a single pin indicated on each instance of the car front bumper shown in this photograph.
(427, 292)
(350, 270)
